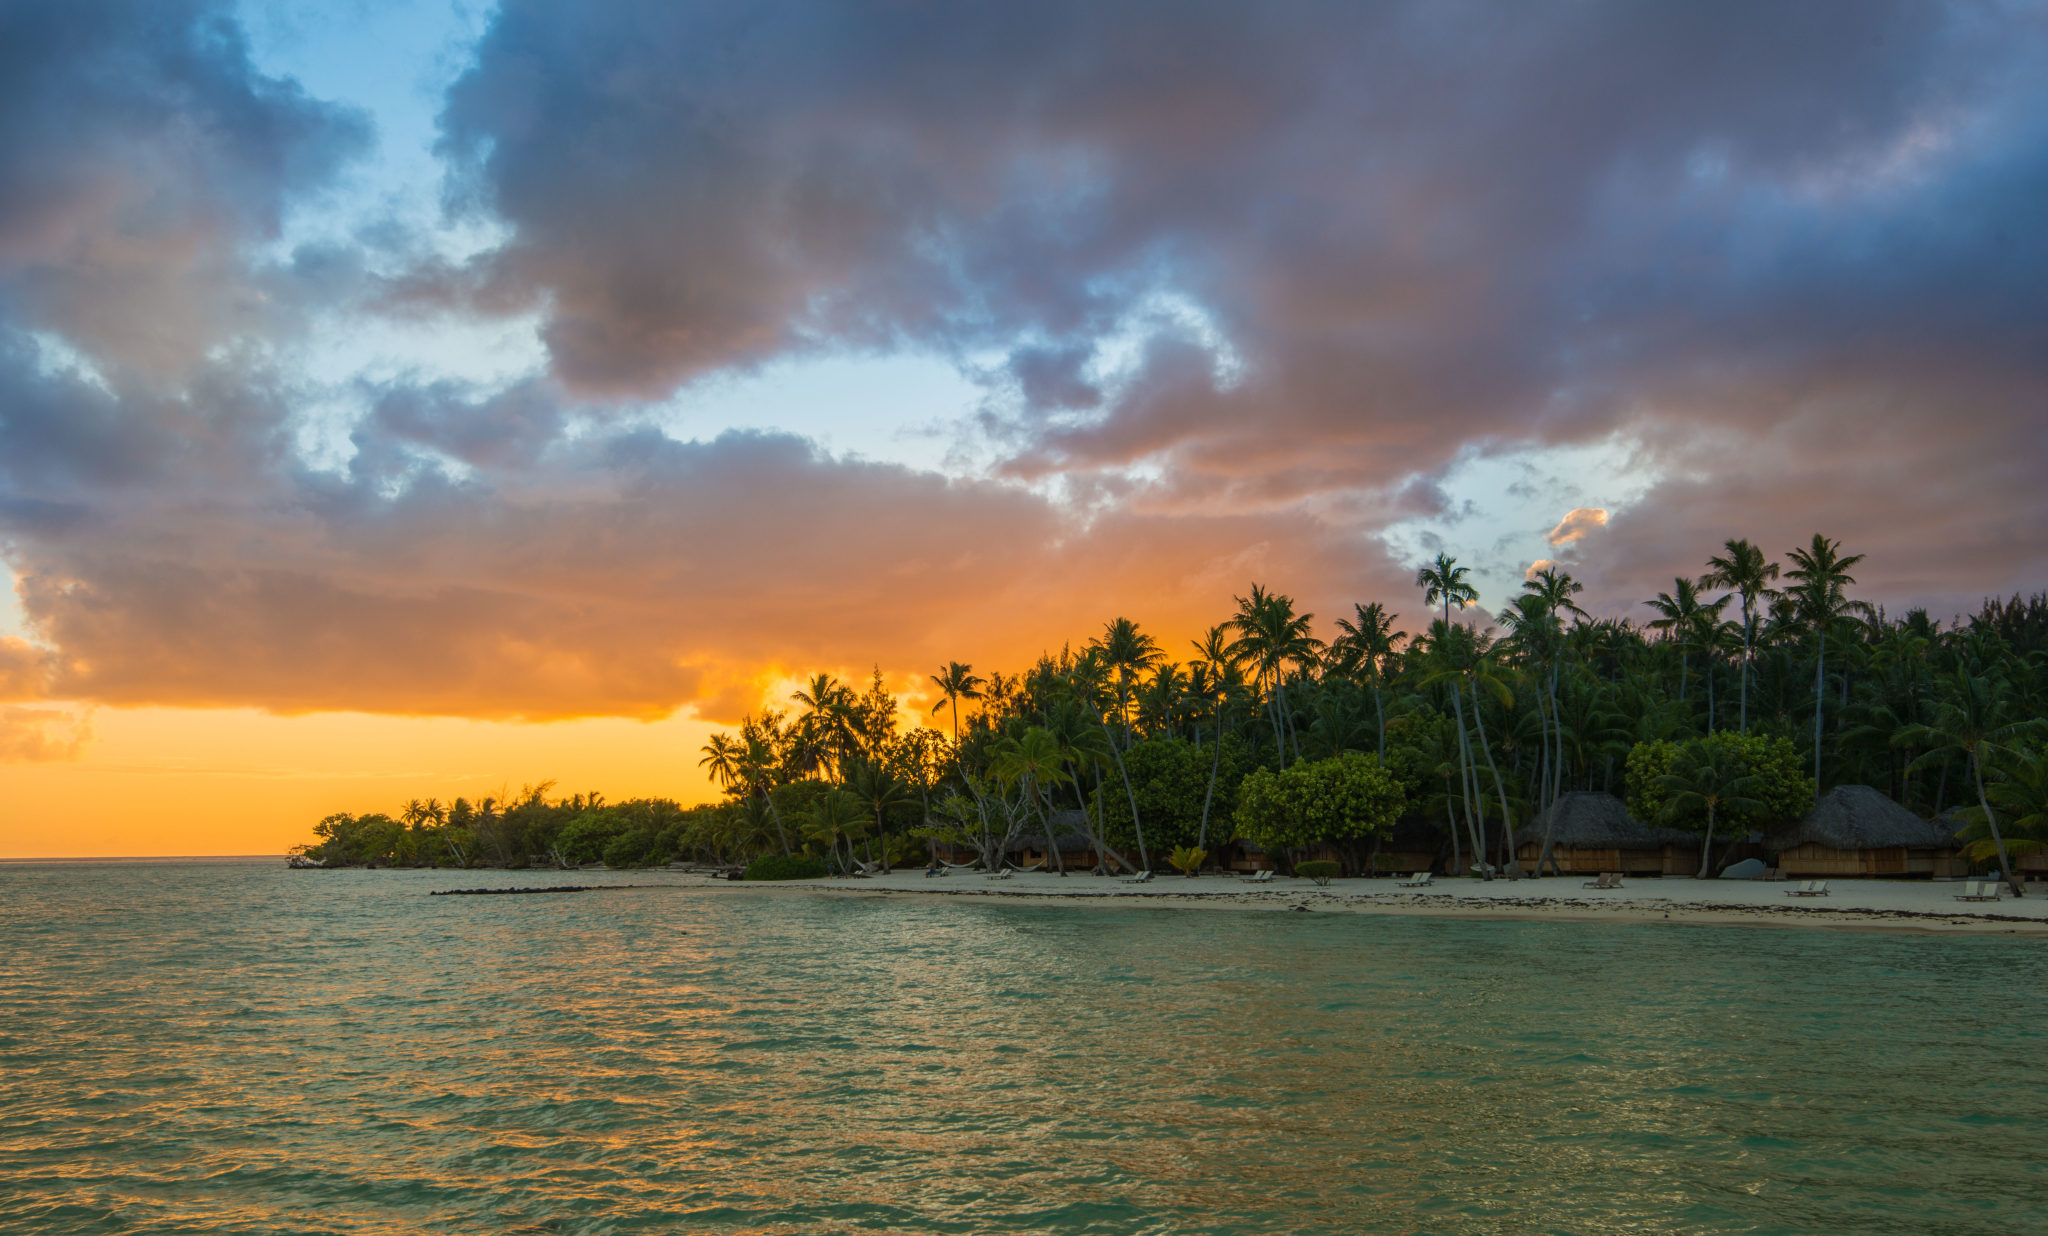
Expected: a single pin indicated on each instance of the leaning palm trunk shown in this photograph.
(1052, 846)
(1507, 823)
(779, 830)
(1451, 826)
(2004, 867)
(1468, 782)
(1215, 765)
(1137, 825)
(1707, 850)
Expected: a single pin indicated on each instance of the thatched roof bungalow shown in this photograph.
(1856, 831)
(1595, 833)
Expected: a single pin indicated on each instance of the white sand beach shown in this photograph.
(1864, 905)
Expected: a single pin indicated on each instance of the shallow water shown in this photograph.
(233, 1047)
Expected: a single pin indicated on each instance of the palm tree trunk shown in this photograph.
(1467, 783)
(1215, 765)
(1507, 823)
(1382, 714)
(1136, 824)
(1748, 623)
(779, 830)
(1052, 847)
(1707, 850)
(1451, 826)
(2004, 867)
(1820, 669)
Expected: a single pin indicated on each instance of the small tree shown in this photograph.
(1343, 799)
(1708, 779)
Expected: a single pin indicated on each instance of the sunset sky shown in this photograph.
(409, 399)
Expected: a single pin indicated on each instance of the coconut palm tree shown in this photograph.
(1126, 653)
(1681, 611)
(1368, 645)
(1270, 637)
(1037, 762)
(1975, 723)
(724, 757)
(1708, 777)
(881, 792)
(1822, 573)
(757, 770)
(957, 682)
(1745, 569)
(828, 729)
(1444, 580)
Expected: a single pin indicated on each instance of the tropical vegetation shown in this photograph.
(1743, 692)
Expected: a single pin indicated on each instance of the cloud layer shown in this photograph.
(1243, 282)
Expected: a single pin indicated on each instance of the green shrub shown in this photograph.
(1321, 870)
(786, 867)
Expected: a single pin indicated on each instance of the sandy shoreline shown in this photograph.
(1853, 905)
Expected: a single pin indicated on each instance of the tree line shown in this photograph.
(1746, 689)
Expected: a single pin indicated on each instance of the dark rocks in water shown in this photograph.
(514, 892)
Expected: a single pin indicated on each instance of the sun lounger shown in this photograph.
(999, 875)
(1812, 888)
(1979, 890)
(1420, 879)
(1143, 877)
(1608, 879)
(1262, 877)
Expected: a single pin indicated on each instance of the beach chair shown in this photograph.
(1004, 874)
(1608, 879)
(1979, 890)
(1262, 877)
(1143, 877)
(1420, 879)
(1812, 888)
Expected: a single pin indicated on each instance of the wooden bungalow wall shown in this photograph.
(1813, 859)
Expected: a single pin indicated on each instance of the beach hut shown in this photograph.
(1595, 833)
(1856, 831)
(1070, 835)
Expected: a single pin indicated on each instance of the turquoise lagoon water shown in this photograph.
(232, 1047)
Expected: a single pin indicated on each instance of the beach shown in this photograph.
(1856, 905)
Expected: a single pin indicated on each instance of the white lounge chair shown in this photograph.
(1143, 877)
(1812, 888)
(1420, 879)
(1262, 877)
(1608, 879)
(1004, 874)
(1979, 890)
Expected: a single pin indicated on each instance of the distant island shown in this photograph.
(1750, 689)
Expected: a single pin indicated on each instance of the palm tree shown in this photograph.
(1127, 652)
(1368, 644)
(1037, 762)
(836, 814)
(1088, 682)
(757, 768)
(1271, 636)
(1822, 572)
(1974, 722)
(1707, 777)
(1444, 580)
(1745, 569)
(881, 792)
(1681, 615)
(724, 757)
(828, 725)
(958, 682)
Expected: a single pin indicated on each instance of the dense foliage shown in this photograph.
(787, 867)
(1770, 672)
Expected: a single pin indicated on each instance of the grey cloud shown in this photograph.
(139, 153)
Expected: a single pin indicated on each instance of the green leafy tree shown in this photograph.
(1781, 790)
(1337, 801)
(1707, 779)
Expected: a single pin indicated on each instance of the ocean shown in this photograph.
(231, 1047)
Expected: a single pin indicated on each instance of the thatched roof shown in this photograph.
(1593, 820)
(1856, 817)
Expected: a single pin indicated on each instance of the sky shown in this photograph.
(418, 399)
